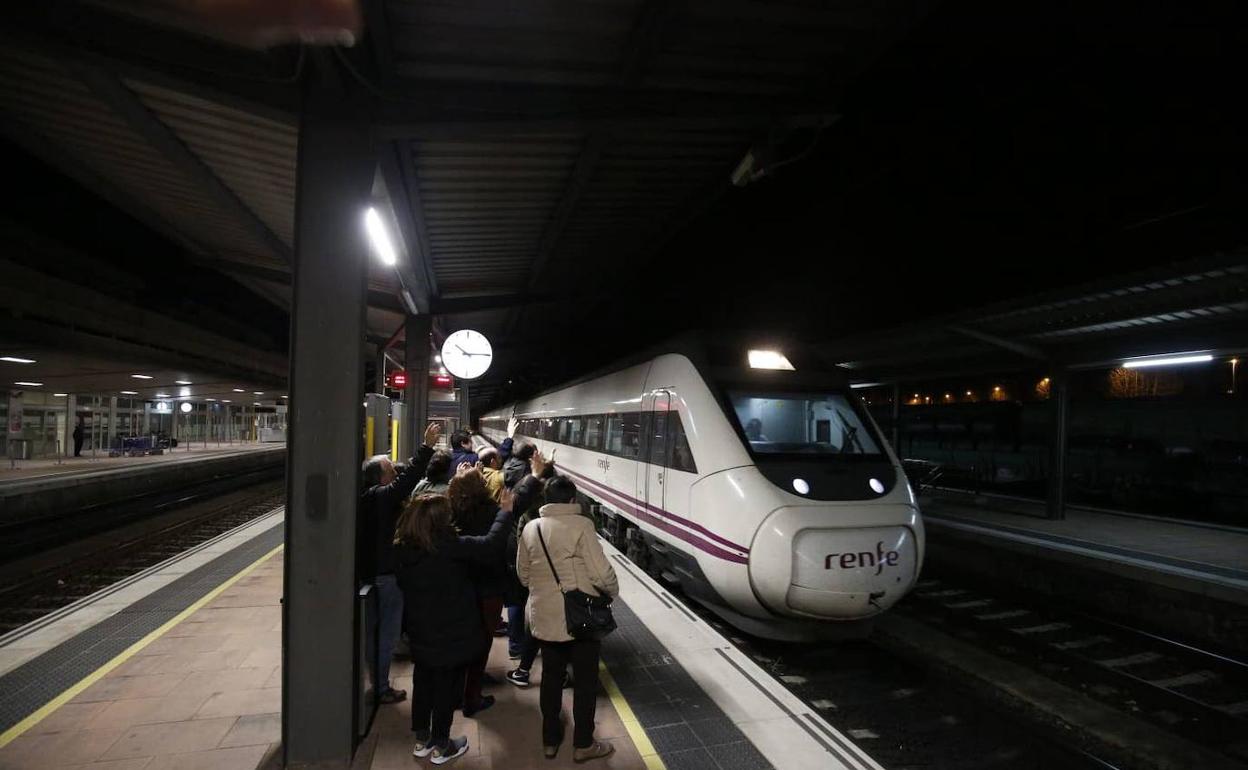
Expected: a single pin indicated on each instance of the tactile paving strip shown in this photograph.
(687, 728)
(36, 682)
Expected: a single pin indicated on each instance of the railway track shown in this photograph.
(1183, 689)
(44, 583)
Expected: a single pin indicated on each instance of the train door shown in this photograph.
(654, 448)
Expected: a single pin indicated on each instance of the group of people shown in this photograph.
(459, 536)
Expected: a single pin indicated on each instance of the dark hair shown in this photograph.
(426, 519)
(439, 466)
(523, 450)
(372, 471)
(559, 489)
(459, 437)
(471, 504)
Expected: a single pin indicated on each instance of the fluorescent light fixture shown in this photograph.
(769, 359)
(162, 395)
(259, 404)
(29, 384)
(411, 303)
(129, 392)
(379, 237)
(285, 396)
(60, 395)
(1167, 359)
(16, 360)
(857, 385)
(210, 399)
(225, 401)
(238, 390)
(183, 382)
(140, 376)
(258, 392)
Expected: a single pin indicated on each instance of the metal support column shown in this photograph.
(71, 422)
(464, 413)
(1059, 395)
(380, 377)
(416, 396)
(112, 421)
(320, 669)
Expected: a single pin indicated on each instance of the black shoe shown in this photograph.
(393, 696)
(518, 677)
(483, 704)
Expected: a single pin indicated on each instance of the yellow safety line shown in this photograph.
(635, 730)
(38, 716)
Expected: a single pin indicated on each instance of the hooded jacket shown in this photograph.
(577, 558)
(514, 470)
(441, 611)
(461, 455)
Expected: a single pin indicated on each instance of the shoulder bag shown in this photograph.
(588, 616)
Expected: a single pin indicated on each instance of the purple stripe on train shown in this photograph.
(627, 502)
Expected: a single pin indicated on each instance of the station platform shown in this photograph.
(180, 666)
(1187, 577)
(45, 468)
(42, 488)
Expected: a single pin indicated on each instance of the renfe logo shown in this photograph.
(864, 559)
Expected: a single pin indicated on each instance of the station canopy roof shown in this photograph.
(529, 151)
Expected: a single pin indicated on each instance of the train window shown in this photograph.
(576, 431)
(549, 432)
(630, 434)
(682, 456)
(805, 423)
(615, 434)
(565, 428)
(658, 438)
(594, 425)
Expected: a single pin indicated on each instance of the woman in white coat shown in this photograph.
(576, 555)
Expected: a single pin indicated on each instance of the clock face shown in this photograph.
(466, 354)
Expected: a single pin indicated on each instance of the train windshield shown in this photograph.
(803, 423)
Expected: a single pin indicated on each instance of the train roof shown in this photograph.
(723, 358)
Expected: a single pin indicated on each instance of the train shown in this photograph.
(752, 479)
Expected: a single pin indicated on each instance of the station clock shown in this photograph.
(467, 354)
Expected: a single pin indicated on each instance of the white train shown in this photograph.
(767, 495)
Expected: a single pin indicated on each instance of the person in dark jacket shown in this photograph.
(517, 466)
(472, 513)
(78, 436)
(385, 492)
(442, 614)
(461, 451)
(504, 449)
(521, 645)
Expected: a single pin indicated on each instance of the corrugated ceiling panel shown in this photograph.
(254, 157)
(50, 103)
(486, 204)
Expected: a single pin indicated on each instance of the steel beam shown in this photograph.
(109, 89)
(416, 396)
(320, 669)
(1014, 346)
(1059, 395)
(416, 271)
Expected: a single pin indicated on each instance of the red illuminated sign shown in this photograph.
(442, 381)
(398, 380)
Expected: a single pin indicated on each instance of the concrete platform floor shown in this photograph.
(206, 694)
(1168, 538)
(45, 467)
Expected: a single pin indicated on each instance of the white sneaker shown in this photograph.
(422, 749)
(455, 747)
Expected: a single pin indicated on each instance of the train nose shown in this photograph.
(839, 572)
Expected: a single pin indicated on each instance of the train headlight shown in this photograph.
(801, 487)
(877, 486)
